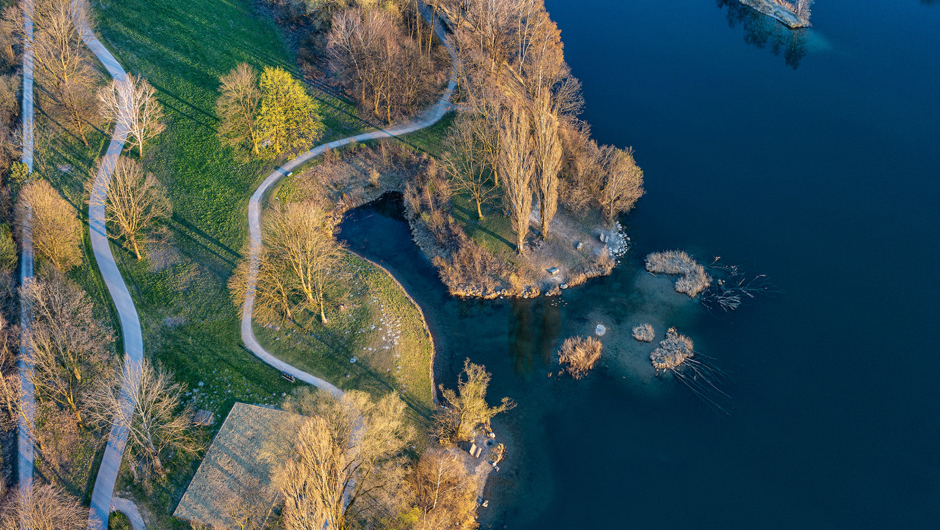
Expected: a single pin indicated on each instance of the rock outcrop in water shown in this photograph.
(784, 15)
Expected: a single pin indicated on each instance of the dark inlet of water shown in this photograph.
(817, 165)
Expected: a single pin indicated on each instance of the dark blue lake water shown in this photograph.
(825, 177)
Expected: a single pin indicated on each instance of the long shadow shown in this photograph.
(202, 234)
(339, 353)
(163, 90)
(468, 214)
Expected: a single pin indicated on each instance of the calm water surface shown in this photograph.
(825, 177)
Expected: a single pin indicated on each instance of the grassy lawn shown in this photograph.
(189, 322)
(378, 326)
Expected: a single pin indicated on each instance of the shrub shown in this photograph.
(644, 333)
(692, 277)
(578, 355)
(674, 350)
(19, 172)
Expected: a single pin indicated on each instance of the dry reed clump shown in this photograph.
(692, 277)
(579, 355)
(644, 333)
(674, 350)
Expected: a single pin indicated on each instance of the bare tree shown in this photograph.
(582, 170)
(132, 103)
(156, 421)
(465, 162)
(11, 35)
(60, 57)
(297, 235)
(623, 182)
(44, 507)
(135, 201)
(238, 107)
(274, 289)
(55, 226)
(516, 161)
(71, 348)
(547, 149)
(468, 405)
(345, 457)
(383, 70)
(9, 377)
(443, 492)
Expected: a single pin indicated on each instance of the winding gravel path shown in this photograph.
(426, 119)
(101, 496)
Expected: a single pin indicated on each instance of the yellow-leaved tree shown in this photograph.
(289, 117)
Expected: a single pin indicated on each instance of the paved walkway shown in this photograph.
(428, 118)
(129, 509)
(24, 462)
(123, 303)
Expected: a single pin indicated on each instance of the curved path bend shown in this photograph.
(101, 496)
(426, 119)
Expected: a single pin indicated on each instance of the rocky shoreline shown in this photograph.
(783, 15)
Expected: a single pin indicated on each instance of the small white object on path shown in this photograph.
(600, 330)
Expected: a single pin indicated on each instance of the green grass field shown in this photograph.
(189, 323)
(378, 327)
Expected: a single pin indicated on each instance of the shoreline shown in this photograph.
(776, 11)
(424, 240)
(424, 320)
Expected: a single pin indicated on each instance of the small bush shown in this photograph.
(644, 333)
(19, 172)
(692, 277)
(578, 355)
(674, 350)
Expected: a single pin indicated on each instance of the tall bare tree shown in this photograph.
(468, 408)
(344, 459)
(518, 165)
(466, 163)
(385, 71)
(623, 182)
(55, 226)
(60, 57)
(442, 492)
(135, 201)
(71, 348)
(297, 235)
(132, 103)
(238, 107)
(43, 507)
(547, 149)
(156, 420)
(274, 289)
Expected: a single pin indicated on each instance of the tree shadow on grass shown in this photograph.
(473, 225)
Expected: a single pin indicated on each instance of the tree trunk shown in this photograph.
(479, 210)
(322, 312)
(544, 224)
(136, 248)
